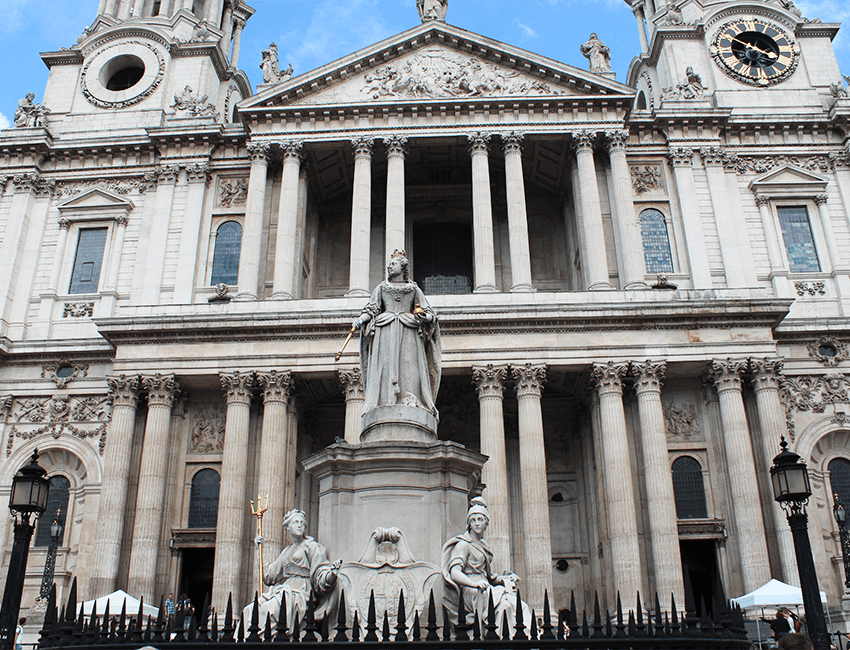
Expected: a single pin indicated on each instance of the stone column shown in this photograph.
(355, 398)
(252, 233)
(766, 375)
(617, 479)
(227, 28)
(116, 253)
(594, 256)
(682, 160)
(661, 501)
(274, 456)
(517, 217)
(774, 253)
(162, 391)
(632, 264)
(828, 232)
(528, 381)
(490, 382)
(484, 258)
(361, 218)
(13, 242)
(113, 494)
(197, 179)
(396, 151)
(160, 221)
(59, 255)
(213, 10)
(238, 25)
(110, 8)
(233, 506)
(638, 11)
(740, 466)
(285, 258)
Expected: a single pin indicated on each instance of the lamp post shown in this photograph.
(50, 561)
(29, 497)
(791, 489)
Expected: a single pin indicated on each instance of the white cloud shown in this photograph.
(528, 31)
(5, 122)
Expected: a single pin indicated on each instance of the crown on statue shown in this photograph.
(398, 253)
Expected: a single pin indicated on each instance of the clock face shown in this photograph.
(754, 52)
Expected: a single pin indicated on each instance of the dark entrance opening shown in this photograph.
(442, 258)
(196, 576)
(699, 563)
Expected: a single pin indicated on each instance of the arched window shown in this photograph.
(57, 509)
(656, 242)
(839, 478)
(228, 242)
(689, 489)
(641, 101)
(443, 258)
(203, 501)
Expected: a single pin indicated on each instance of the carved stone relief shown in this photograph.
(828, 350)
(810, 288)
(208, 429)
(751, 164)
(78, 309)
(63, 371)
(231, 192)
(116, 185)
(682, 422)
(645, 178)
(83, 416)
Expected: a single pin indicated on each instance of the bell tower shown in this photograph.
(148, 64)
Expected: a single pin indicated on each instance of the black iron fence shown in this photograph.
(715, 628)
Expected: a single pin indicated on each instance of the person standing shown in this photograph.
(169, 608)
(19, 632)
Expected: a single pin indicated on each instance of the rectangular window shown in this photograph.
(799, 243)
(88, 260)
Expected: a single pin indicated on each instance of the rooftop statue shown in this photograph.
(597, 53)
(29, 114)
(271, 68)
(400, 351)
(300, 567)
(432, 9)
(467, 571)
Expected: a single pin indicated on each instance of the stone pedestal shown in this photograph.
(398, 422)
(419, 487)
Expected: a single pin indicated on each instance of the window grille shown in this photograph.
(839, 478)
(203, 500)
(799, 243)
(228, 243)
(656, 242)
(57, 509)
(443, 262)
(689, 489)
(88, 260)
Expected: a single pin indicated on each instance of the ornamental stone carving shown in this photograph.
(231, 192)
(690, 89)
(352, 383)
(292, 150)
(85, 416)
(78, 310)
(363, 148)
(681, 156)
(597, 53)
(276, 386)
(192, 106)
(29, 115)
(478, 143)
(198, 173)
(260, 152)
(645, 178)
(712, 155)
(583, 140)
(103, 98)
(608, 377)
(396, 146)
(528, 379)
(437, 73)
(617, 140)
(682, 422)
(761, 164)
(64, 371)
(489, 380)
(432, 10)
(726, 375)
(648, 376)
(512, 142)
(815, 392)
(208, 429)
(120, 186)
(237, 386)
(124, 390)
(828, 350)
(766, 373)
(810, 288)
(33, 183)
(162, 390)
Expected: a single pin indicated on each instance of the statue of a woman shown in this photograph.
(301, 567)
(466, 561)
(400, 343)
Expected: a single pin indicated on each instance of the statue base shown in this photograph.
(419, 487)
(398, 422)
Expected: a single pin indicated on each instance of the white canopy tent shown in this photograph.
(773, 594)
(116, 601)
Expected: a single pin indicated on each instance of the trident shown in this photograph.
(258, 512)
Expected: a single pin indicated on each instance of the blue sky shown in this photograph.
(310, 33)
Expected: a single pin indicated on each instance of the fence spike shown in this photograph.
(659, 620)
(282, 624)
(597, 617)
(609, 630)
(490, 627)
(371, 621)
(641, 628)
(476, 626)
(447, 625)
(254, 628)
(71, 606)
(104, 629)
(240, 632)
(432, 620)
(214, 628)
(227, 629)
(621, 628)
(461, 628)
(532, 631)
(203, 622)
(268, 637)
(416, 633)
(385, 631)
(674, 617)
(632, 630)
(137, 628)
(401, 620)
(546, 632)
(506, 630)
(340, 620)
(585, 630)
(310, 621)
(519, 627)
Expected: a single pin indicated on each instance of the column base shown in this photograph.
(601, 286)
(357, 293)
(523, 288)
(245, 296)
(281, 295)
(485, 288)
(637, 286)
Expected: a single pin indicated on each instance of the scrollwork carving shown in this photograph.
(608, 377)
(828, 350)
(489, 380)
(277, 386)
(78, 310)
(810, 288)
(681, 156)
(352, 383)
(85, 416)
(64, 371)
(528, 379)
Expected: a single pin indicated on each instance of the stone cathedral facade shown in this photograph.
(641, 285)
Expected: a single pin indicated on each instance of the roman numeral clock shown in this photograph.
(755, 52)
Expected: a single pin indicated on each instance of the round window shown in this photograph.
(828, 350)
(65, 371)
(122, 72)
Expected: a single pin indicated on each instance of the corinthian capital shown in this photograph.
(681, 156)
(766, 373)
(123, 390)
(162, 389)
(648, 376)
(292, 150)
(712, 155)
(237, 386)
(726, 375)
(608, 377)
(277, 386)
(512, 142)
(583, 140)
(490, 380)
(352, 383)
(528, 379)
(363, 147)
(260, 152)
(396, 146)
(617, 140)
(478, 142)
(198, 173)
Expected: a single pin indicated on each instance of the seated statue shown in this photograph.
(301, 567)
(466, 571)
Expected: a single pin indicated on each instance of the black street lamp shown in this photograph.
(29, 497)
(791, 489)
(50, 561)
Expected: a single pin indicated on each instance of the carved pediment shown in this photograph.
(96, 199)
(439, 62)
(789, 180)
